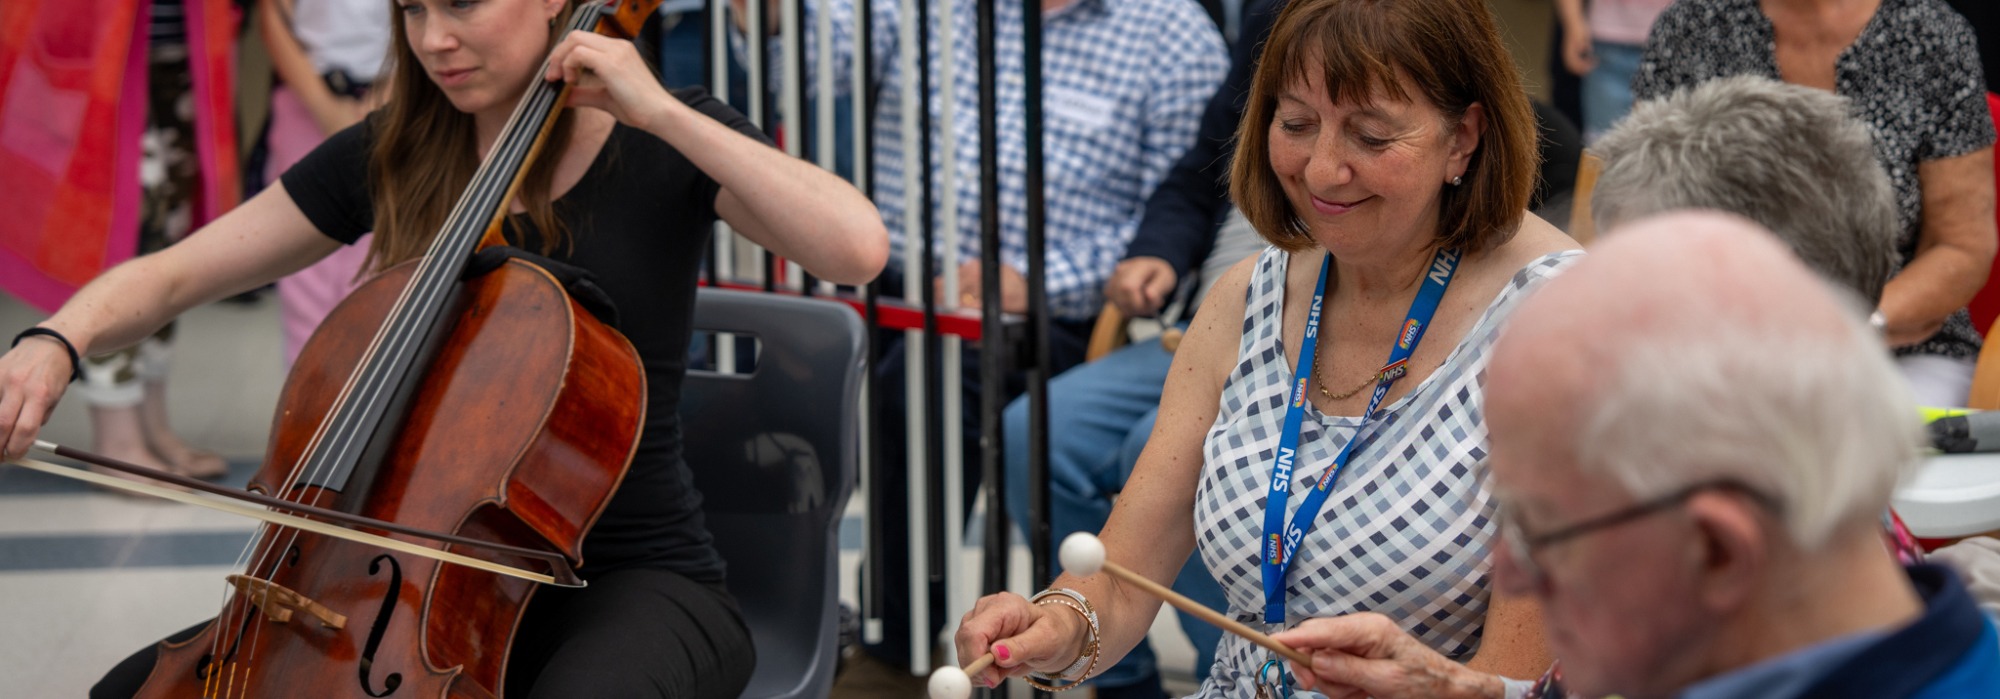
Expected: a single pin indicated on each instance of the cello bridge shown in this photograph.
(279, 602)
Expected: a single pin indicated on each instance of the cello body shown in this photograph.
(518, 432)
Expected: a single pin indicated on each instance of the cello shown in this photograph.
(494, 408)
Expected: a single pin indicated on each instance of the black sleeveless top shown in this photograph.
(639, 219)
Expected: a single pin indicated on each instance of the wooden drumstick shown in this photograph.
(952, 683)
(1082, 555)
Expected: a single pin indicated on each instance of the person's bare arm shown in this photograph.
(1151, 530)
(289, 61)
(1955, 248)
(1512, 644)
(1576, 49)
(260, 241)
(787, 205)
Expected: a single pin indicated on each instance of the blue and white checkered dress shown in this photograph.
(1406, 530)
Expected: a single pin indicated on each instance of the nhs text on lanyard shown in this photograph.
(1278, 548)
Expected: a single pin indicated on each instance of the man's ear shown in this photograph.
(1733, 548)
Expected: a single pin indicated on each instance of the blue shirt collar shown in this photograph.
(1885, 663)
(1786, 675)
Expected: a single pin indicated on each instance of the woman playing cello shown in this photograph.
(626, 188)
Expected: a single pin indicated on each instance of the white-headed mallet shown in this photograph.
(949, 682)
(1082, 555)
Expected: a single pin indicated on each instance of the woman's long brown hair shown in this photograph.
(425, 154)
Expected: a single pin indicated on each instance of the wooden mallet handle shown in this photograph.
(979, 664)
(1205, 614)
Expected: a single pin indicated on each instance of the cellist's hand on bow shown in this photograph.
(33, 377)
(608, 74)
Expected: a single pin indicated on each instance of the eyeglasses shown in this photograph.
(1521, 547)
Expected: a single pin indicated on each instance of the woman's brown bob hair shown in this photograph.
(1450, 51)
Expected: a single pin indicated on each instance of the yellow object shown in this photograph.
(1934, 414)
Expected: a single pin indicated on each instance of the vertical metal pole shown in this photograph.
(916, 267)
(1038, 296)
(824, 141)
(992, 355)
(863, 85)
(958, 593)
(933, 346)
(791, 90)
(722, 265)
(823, 110)
(725, 237)
(760, 93)
(710, 40)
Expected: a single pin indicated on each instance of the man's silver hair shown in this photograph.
(1788, 157)
(1822, 423)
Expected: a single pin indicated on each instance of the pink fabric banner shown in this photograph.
(72, 112)
(72, 108)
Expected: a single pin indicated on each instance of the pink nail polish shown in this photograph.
(1001, 653)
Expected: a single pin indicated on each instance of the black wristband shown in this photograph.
(75, 360)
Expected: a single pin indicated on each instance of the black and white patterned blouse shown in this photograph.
(1912, 76)
(1408, 527)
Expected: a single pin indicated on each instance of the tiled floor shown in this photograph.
(96, 576)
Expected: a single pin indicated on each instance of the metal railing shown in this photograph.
(935, 329)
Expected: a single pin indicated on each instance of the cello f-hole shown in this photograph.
(367, 662)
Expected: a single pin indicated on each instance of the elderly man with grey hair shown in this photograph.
(1692, 437)
(1792, 159)
(1786, 156)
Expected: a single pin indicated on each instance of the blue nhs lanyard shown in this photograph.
(1443, 264)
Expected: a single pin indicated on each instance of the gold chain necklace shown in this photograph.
(1319, 380)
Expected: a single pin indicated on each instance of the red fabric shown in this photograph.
(1985, 305)
(212, 58)
(72, 110)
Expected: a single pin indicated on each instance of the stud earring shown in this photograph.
(1457, 180)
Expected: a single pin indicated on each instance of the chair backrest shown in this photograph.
(774, 453)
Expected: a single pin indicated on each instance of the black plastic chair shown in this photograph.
(774, 452)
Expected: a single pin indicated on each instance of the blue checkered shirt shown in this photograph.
(1124, 84)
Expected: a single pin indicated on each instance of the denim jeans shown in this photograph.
(1100, 415)
(1607, 90)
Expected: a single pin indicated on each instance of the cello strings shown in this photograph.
(264, 529)
(428, 285)
(432, 279)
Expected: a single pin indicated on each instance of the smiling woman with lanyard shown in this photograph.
(1387, 153)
